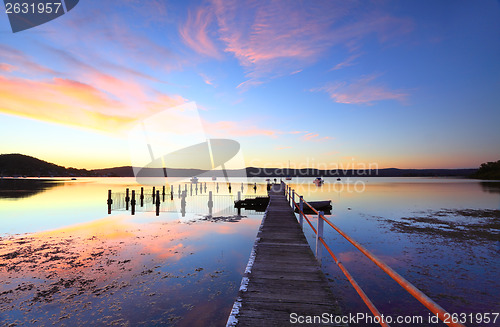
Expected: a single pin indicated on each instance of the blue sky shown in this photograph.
(408, 84)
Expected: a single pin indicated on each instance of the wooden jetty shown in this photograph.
(283, 280)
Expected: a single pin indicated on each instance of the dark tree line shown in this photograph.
(488, 170)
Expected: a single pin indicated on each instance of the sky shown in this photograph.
(406, 84)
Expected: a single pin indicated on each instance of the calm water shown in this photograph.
(443, 248)
(80, 265)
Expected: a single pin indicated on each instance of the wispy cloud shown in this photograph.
(362, 91)
(109, 36)
(348, 62)
(59, 100)
(272, 39)
(207, 80)
(283, 147)
(18, 60)
(96, 101)
(195, 32)
(314, 137)
(6, 67)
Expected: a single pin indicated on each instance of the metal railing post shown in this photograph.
(319, 235)
(301, 213)
(293, 199)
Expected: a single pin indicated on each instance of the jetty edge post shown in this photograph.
(319, 235)
(132, 203)
(293, 200)
(163, 194)
(158, 203)
(142, 197)
(301, 213)
(171, 192)
(110, 202)
(153, 195)
(239, 196)
(127, 199)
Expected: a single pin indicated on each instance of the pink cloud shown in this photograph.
(207, 80)
(275, 38)
(314, 137)
(283, 147)
(262, 34)
(195, 32)
(309, 136)
(362, 91)
(6, 67)
(77, 103)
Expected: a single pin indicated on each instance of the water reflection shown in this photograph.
(22, 188)
(440, 234)
(491, 187)
(155, 270)
(121, 271)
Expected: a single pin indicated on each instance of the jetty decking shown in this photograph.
(282, 277)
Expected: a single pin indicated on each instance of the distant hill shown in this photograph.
(22, 165)
(128, 171)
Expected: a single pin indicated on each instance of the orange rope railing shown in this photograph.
(415, 292)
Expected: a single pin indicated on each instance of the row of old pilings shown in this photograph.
(130, 197)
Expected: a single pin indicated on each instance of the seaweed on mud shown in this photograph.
(479, 225)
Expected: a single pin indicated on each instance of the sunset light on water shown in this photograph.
(153, 156)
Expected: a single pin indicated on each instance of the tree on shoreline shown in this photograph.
(488, 170)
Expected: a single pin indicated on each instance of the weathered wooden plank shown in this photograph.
(285, 277)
